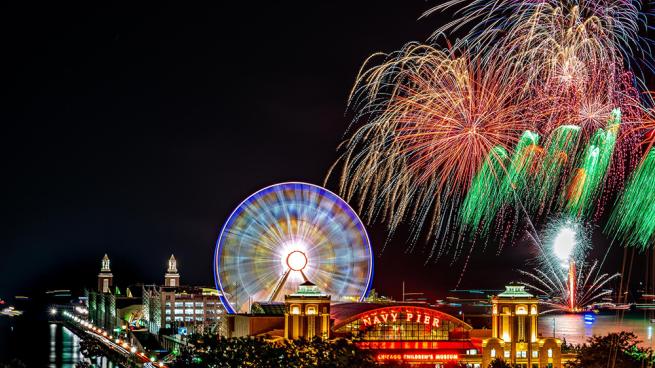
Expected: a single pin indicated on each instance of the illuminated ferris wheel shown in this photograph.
(286, 234)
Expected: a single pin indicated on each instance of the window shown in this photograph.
(295, 309)
(168, 318)
(188, 311)
(311, 309)
(550, 353)
(199, 319)
(198, 311)
(168, 311)
(471, 352)
(168, 304)
(179, 304)
(535, 353)
(188, 304)
(179, 311)
(188, 319)
(179, 318)
(198, 304)
(506, 353)
(493, 353)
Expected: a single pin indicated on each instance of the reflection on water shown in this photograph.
(64, 347)
(576, 330)
(65, 350)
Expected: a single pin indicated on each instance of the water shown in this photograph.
(576, 330)
(37, 343)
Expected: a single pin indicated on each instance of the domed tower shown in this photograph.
(105, 277)
(307, 313)
(172, 277)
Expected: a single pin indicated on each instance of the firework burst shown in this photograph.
(563, 276)
(431, 120)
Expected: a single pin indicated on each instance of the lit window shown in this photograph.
(311, 309)
(550, 353)
(179, 311)
(535, 353)
(471, 352)
(188, 304)
(198, 311)
(295, 309)
(188, 311)
(179, 304)
(168, 319)
(506, 354)
(521, 310)
(493, 353)
(198, 304)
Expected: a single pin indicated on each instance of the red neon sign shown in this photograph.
(419, 356)
(408, 315)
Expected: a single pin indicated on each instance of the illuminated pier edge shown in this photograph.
(416, 334)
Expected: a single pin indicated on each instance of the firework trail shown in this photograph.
(633, 217)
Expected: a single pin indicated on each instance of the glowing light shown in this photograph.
(296, 260)
(564, 244)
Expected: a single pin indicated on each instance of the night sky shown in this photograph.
(134, 130)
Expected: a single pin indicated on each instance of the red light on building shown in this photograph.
(419, 356)
(407, 314)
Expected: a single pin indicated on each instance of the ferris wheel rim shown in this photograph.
(219, 246)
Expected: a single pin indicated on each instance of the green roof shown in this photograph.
(515, 291)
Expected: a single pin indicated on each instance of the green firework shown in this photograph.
(484, 199)
(499, 182)
(633, 217)
(587, 181)
(558, 152)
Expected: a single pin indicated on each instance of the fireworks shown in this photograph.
(535, 111)
(563, 276)
(633, 218)
(434, 121)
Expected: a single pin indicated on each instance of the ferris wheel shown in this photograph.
(287, 234)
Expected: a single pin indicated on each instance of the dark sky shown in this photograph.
(135, 129)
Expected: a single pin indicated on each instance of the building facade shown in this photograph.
(183, 309)
(413, 333)
(515, 336)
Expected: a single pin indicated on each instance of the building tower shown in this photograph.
(172, 277)
(105, 277)
(307, 313)
(514, 332)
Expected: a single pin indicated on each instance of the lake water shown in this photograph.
(576, 330)
(37, 343)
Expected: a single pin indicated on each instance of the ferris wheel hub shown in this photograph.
(297, 260)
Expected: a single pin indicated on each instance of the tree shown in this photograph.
(213, 351)
(499, 363)
(621, 349)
